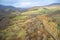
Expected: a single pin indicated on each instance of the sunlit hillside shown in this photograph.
(36, 23)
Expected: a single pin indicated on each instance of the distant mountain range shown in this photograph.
(8, 9)
(2, 7)
(11, 8)
(54, 4)
(50, 6)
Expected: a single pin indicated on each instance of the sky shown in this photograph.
(27, 3)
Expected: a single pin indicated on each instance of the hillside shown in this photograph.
(10, 10)
(37, 23)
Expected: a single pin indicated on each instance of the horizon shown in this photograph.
(27, 3)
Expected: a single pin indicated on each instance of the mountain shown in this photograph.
(36, 23)
(11, 7)
(6, 10)
(2, 7)
(56, 4)
(48, 6)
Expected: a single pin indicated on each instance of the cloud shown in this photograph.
(8, 2)
(25, 3)
(28, 4)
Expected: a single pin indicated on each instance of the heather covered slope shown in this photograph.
(34, 24)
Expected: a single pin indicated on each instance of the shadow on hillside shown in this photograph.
(5, 22)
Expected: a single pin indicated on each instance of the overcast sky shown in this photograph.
(27, 3)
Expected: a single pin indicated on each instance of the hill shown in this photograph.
(6, 10)
(37, 23)
(56, 4)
